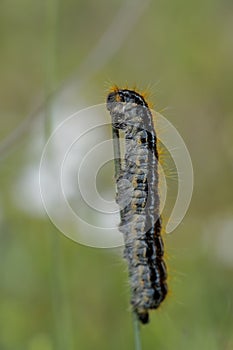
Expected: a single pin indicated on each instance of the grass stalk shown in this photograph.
(136, 330)
(62, 327)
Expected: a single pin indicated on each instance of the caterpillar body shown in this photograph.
(138, 198)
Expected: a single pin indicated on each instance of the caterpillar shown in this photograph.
(138, 198)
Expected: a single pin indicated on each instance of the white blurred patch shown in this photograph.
(26, 191)
(73, 138)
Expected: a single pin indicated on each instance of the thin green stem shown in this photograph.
(136, 328)
(62, 327)
(116, 149)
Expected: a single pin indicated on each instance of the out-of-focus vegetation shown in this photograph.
(56, 294)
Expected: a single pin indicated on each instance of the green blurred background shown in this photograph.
(54, 293)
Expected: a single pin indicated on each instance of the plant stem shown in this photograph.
(62, 327)
(136, 328)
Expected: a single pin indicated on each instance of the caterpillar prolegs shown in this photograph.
(138, 198)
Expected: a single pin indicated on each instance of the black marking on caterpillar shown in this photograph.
(138, 198)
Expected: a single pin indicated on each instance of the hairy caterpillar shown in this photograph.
(138, 198)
